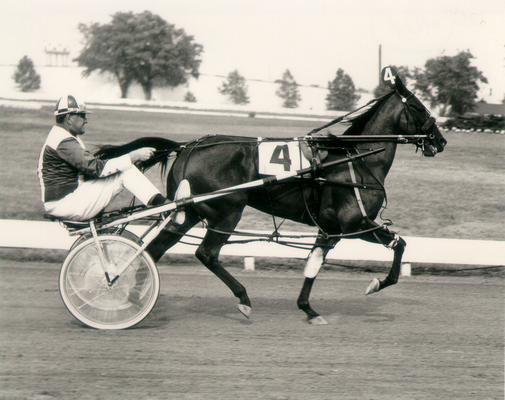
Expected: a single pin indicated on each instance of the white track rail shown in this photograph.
(51, 235)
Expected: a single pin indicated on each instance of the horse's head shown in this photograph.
(413, 117)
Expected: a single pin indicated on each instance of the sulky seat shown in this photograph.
(69, 224)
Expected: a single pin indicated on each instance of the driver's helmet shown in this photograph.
(69, 104)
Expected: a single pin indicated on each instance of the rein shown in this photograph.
(275, 235)
(401, 139)
(342, 117)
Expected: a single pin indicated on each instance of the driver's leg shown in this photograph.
(93, 196)
(140, 186)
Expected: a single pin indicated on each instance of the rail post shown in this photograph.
(248, 263)
(406, 269)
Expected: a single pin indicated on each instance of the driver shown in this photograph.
(75, 184)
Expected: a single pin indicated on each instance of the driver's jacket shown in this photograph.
(64, 162)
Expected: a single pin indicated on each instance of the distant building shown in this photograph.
(57, 56)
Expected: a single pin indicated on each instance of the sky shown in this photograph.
(263, 38)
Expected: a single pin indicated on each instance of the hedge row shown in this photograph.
(490, 122)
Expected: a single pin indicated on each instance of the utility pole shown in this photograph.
(380, 62)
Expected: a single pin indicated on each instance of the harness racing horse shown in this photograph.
(339, 202)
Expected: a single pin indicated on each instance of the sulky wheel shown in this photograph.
(99, 292)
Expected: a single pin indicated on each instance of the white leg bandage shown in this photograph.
(314, 263)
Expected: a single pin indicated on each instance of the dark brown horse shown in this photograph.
(344, 200)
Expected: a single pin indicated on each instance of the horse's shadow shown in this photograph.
(366, 309)
(174, 308)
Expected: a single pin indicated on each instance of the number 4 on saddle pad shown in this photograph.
(278, 157)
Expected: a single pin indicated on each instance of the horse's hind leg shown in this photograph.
(208, 254)
(397, 244)
(314, 262)
(170, 235)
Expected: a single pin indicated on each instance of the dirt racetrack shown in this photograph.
(430, 337)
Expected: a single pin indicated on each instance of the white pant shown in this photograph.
(93, 196)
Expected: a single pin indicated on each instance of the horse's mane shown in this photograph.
(360, 117)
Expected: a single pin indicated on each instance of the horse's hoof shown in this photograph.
(317, 321)
(245, 310)
(373, 287)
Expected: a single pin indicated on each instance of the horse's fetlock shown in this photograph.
(390, 280)
(241, 293)
(302, 304)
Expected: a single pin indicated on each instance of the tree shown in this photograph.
(141, 48)
(235, 87)
(405, 76)
(450, 82)
(341, 92)
(288, 90)
(25, 75)
(189, 97)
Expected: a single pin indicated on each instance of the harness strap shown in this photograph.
(315, 164)
(194, 145)
(356, 190)
(357, 193)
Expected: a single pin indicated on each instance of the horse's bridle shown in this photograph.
(427, 127)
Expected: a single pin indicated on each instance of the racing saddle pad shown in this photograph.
(277, 157)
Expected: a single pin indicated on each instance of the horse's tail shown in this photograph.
(163, 148)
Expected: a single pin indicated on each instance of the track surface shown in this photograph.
(426, 338)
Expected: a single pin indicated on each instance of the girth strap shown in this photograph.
(357, 193)
(356, 190)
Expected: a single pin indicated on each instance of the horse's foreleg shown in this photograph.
(397, 244)
(312, 267)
